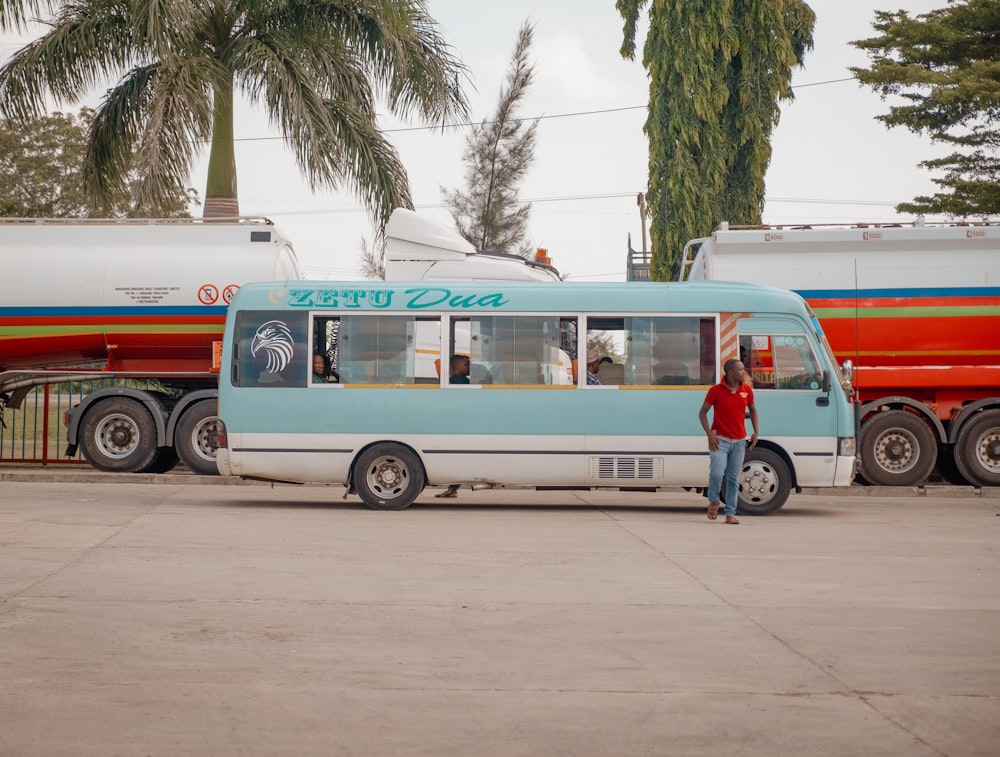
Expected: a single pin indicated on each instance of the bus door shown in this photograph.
(785, 366)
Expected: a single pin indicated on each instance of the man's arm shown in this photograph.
(713, 440)
(753, 422)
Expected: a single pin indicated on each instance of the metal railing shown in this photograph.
(35, 432)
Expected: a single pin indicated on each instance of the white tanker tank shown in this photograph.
(136, 298)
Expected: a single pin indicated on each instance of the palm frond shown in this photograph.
(177, 122)
(114, 133)
(89, 41)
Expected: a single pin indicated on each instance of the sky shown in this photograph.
(832, 162)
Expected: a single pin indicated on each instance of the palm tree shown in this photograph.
(318, 68)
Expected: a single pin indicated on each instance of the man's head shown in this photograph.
(593, 360)
(459, 365)
(736, 372)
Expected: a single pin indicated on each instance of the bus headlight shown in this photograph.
(846, 446)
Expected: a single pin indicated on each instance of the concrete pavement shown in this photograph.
(180, 618)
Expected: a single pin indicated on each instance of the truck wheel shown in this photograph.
(388, 477)
(197, 437)
(119, 436)
(977, 449)
(897, 449)
(765, 482)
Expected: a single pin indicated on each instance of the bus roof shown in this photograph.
(466, 296)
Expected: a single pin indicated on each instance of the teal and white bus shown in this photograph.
(528, 417)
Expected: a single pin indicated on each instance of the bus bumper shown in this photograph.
(224, 463)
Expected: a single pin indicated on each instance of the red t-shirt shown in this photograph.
(730, 409)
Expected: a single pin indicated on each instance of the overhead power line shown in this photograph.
(577, 114)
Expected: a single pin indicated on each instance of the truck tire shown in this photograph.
(977, 449)
(388, 477)
(197, 437)
(897, 449)
(119, 436)
(765, 482)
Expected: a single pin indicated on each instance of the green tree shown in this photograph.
(319, 69)
(945, 65)
(498, 154)
(41, 175)
(718, 71)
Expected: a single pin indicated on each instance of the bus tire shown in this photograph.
(388, 477)
(119, 436)
(897, 449)
(197, 437)
(765, 482)
(977, 449)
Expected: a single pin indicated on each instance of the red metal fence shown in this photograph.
(35, 432)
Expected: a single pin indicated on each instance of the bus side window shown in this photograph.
(374, 349)
(273, 348)
(783, 361)
(517, 350)
(670, 350)
(326, 331)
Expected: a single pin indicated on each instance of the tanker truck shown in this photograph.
(129, 299)
(913, 310)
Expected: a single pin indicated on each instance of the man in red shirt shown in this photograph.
(727, 435)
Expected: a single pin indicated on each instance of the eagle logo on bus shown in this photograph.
(275, 339)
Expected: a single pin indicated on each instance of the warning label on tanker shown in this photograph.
(228, 292)
(208, 294)
(147, 295)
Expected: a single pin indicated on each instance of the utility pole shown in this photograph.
(639, 260)
(640, 200)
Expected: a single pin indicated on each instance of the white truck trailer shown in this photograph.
(915, 310)
(136, 299)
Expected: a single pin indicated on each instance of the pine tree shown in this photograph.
(718, 70)
(498, 154)
(945, 64)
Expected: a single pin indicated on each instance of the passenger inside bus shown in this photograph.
(593, 366)
(459, 367)
(322, 372)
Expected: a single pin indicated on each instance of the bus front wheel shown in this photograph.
(765, 482)
(388, 477)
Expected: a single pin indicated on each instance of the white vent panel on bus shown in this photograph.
(626, 468)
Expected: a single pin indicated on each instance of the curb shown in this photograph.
(186, 478)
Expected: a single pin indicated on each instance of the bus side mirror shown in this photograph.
(847, 367)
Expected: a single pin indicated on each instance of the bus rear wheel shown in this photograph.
(119, 436)
(197, 437)
(977, 449)
(388, 477)
(897, 449)
(765, 482)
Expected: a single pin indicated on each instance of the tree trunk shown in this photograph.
(221, 199)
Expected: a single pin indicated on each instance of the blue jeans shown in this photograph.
(726, 461)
